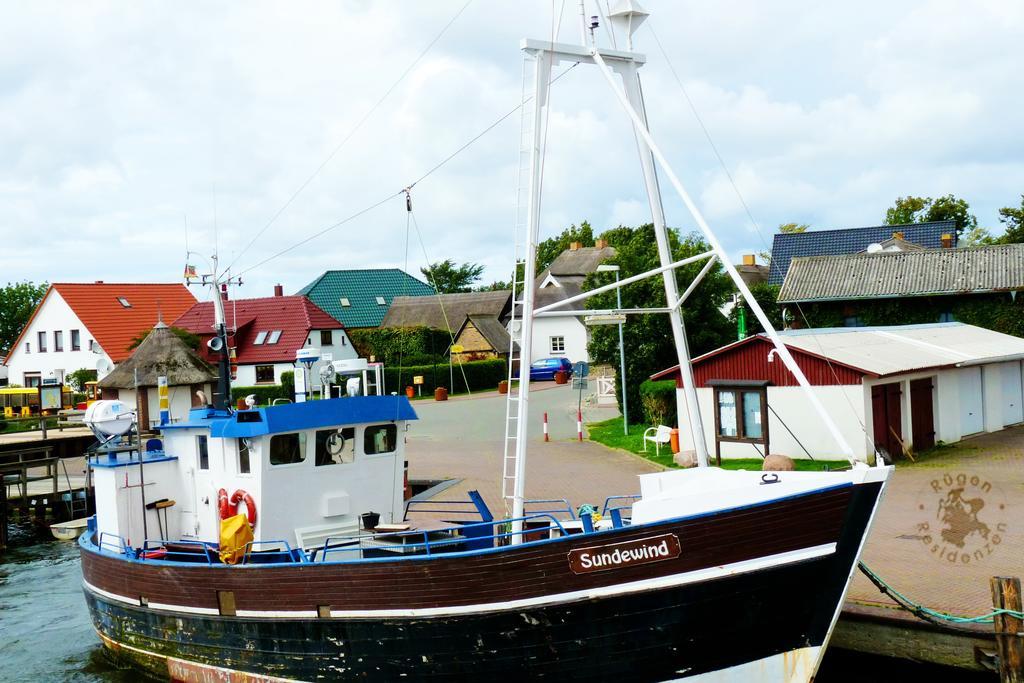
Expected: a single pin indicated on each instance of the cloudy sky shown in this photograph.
(120, 122)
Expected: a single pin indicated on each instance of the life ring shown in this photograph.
(228, 506)
(240, 496)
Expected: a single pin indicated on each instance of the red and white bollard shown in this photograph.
(579, 424)
(546, 427)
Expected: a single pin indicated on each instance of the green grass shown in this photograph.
(609, 433)
(28, 424)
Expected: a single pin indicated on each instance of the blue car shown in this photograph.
(546, 368)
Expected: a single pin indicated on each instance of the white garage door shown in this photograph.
(972, 416)
(1013, 400)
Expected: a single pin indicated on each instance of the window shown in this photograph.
(243, 456)
(42, 342)
(58, 341)
(124, 302)
(28, 347)
(557, 344)
(287, 449)
(379, 439)
(260, 338)
(335, 446)
(326, 338)
(203, 449)
(274, 337)
(76, 340)
(264, 374)
(852, 321)
(33, 379)
(947, 317)
(381, 301)
(345, 302)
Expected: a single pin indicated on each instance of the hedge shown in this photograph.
(265, 394)
(481, 375)
(658, 400)
(389, 345)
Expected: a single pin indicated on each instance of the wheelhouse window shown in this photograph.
(203, 450)
(264, 374)
(287, 449)
(58, 341)
(326, 338)
(41, 342)
(741, 413)
(76, 340)
(558, 344)
(335, 446)
(380, 439)
(243, 457)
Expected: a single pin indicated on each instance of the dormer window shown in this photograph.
(260, 338)
(381, 301)
(274, 337)
(345, 302)
(124, 302)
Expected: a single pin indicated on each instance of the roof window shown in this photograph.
(381, 301)
(345, 302)
(124, 302)
(274, 337)
(260, 338)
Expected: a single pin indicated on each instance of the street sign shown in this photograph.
(457, 348)
(580, 369)
(417, 379)
(604, 319)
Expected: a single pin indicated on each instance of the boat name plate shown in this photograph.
(620, 555)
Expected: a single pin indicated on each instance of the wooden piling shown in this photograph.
(1009, 629)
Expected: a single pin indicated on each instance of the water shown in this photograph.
(46, 634)
(45, 631)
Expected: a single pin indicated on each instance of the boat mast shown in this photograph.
(219, 343)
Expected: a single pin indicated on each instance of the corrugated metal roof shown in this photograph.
(890, 350)
(360, 289)
(785, 246)
(996, 268)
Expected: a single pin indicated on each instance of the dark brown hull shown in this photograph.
(770, 576)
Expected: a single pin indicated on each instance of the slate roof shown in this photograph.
(415, 311)
(971, 270)
(161, 353)
(112, 324)
(785, 246)
(361, 288)
(294, 316)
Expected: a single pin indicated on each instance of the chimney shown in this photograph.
(600, 244)
(899, 235)
(749, 260)
(224, 291)
(947, 241)
(98, 282)
(278, 290)
(575, 246)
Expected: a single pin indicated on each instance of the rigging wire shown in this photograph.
(750, 216)
(353, 131)
(423, 177)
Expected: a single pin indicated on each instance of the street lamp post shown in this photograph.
(607, 268)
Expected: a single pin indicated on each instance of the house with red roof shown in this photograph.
(90, 326)
(267, 332)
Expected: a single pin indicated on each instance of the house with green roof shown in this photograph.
(361, 298)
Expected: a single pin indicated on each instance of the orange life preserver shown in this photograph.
(229, 506)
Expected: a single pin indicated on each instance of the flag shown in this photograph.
(190, 272)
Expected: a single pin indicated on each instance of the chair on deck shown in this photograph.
(659, 435)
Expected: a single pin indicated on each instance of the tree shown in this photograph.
(448, 278)
(77, 379)
(925, 210)
(1013, 219)
(549, 249)
(191, 340)
(17, 302)
(648, 342)
(785, 229)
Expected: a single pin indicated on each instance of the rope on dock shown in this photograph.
(928, 614)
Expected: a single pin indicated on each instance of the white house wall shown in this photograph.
(54, 315)
(574, 332)
(179, 401)
(341, 349)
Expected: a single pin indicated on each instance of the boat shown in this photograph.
(70, 530)
(291, 553)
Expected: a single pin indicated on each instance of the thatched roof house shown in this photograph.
(415, 311)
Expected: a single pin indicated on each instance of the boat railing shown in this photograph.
(564, 508)
(253, 555)
(105, 544)
(180, 550)
(448, 507)
(608, 503)
(456, 535)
